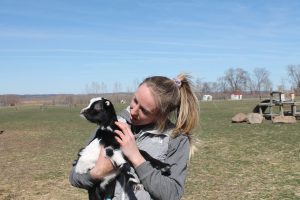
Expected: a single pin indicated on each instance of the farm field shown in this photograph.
(233, 161)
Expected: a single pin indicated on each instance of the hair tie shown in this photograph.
(177, 82)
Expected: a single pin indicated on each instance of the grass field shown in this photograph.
(234, 161)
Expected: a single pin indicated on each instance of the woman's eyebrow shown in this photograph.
(142, 107)
(145, 110)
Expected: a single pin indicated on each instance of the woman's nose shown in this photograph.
(134, 111)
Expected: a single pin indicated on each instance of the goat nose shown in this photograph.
(82, 111)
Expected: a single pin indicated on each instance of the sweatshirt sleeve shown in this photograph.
(172, 186)
(82, 180)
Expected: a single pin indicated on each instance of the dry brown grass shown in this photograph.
(29, 169)
(234, 161)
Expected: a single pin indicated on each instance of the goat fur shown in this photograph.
(101, 111)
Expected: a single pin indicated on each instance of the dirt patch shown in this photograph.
(32, 168)
(40, 190)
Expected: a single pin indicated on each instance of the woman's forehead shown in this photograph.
(145, 98)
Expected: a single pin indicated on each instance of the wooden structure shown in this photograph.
(278, 100)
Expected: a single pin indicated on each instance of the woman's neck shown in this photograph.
(138, 128)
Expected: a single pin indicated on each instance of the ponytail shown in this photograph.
(188, 110)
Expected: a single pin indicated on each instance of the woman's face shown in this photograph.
(142, 106)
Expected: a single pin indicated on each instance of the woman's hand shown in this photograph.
(128, 145)
(103, 166)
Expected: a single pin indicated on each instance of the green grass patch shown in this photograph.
(233, 161)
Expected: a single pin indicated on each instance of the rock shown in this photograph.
(284, 119)
(255, 118)
(238, 118)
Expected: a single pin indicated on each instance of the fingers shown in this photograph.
(119, 140)
(123, 126)
(124, 130)
(120, 135)
(124, 135)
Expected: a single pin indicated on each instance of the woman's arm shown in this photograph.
(88, 180)
(167, 187)
(102, 168)
(84, 181)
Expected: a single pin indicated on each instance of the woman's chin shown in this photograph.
(134, 121)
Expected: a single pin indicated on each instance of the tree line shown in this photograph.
(255, 84)
(234, 79)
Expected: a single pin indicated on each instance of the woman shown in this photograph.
(157, 101)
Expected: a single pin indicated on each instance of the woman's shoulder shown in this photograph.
(180, 141)
(180, 137)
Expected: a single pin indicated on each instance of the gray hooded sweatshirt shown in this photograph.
(154, 185)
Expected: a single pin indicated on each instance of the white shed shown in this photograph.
(236, 96)
(207, 97)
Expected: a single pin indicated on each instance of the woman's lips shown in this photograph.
(132, 118)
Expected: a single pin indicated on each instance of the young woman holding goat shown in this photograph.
(161, 116)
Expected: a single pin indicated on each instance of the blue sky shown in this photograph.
(60, 46)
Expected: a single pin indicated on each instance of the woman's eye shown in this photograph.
(145, 112)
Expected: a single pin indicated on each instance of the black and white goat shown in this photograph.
(101, 111)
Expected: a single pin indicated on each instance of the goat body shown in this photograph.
(101, 111)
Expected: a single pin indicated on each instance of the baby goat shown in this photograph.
(101, 111)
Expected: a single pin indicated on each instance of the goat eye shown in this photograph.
(97, 106)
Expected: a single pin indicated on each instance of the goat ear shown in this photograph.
(107, 103)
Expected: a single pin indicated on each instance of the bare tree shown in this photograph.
(93, 88)
(206, 88)
(198, 85)
(294, 75)
(214, 87)
(69, 100)
(117, 87)
(103, 87)
(261, 81)
(116, 91)
(236, 79)
(222, 85)
(10, 100)
(136, 83)
(96, 88)
(252, 86)
(282, 86)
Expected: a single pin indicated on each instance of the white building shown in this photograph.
(236, 96)
(207, 97)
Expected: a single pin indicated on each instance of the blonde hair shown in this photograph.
(175, 98)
